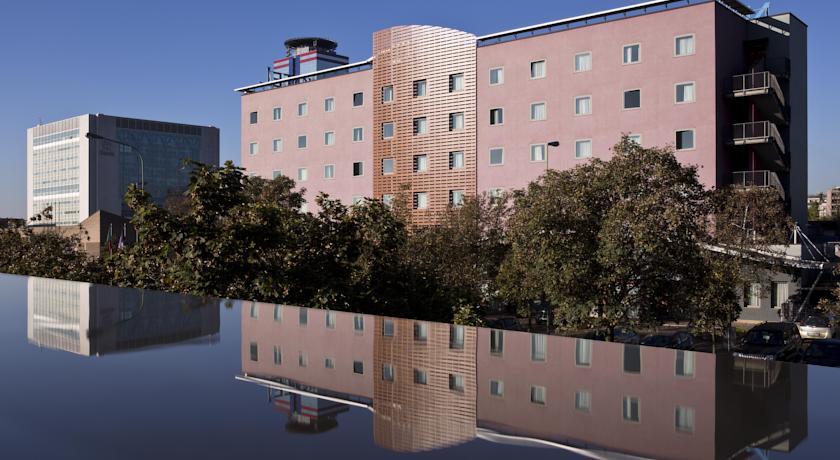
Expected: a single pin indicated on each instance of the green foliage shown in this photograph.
(468, 315)
(46, 253)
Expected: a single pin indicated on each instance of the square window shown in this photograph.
(356, 200)
(497, 388)
(421, 163)
(387, 166)
(496, 193)
(456, 160)
(277, 113)
(419, 88)
(633, 99)
(387, 327)
(583, 352)
(421, 332)
(253, 148)
(329, 138)
(420, 377)
(583, 105)
(456, 382)
(685, 139)
(497, 76)
(456, 121)
(388, 372)
(497, 116)
(537, 69)
(421, 125)
(421, 200)
(538, 394)
(497, 341)
(583, 148)
(358, 168)
(329, 171)
(684, 93)
(329, 363)
(358, 134)
(303, 174)
(538, 111)
(684, 419)
(387, 93)
(302, 141)
(303, 109)
(456, 198)
(330, 320)
(358, 99)
(632, 54)
(277, 145)
(276, 173)
(583, 401)
(387, 130)
(538, 152)
(583, 62)
(636, 138)
(388, 200)
(329, 104)
(358, 367)
(253, 118)
(684, 45)
(497, 156)
(630, 409)
(456, 82)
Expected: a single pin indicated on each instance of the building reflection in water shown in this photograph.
(90, 319)
(431, 385)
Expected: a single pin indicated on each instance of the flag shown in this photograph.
(110, 236)
(121, 243)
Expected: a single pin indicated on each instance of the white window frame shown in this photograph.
(674, 49)
(624, 46)
(453, 77)
(305, 105)
(253, 148)
(531, 111)
(306, 138)
(326, 136)
(491, 116)
(332, 99)
(531, 66)
(393, 94)
(393, 166)
(353, 170)
(274, 143)
(694, 86)
(425, 123)
(490, 156)
(353, 99)
(332, 166)
(693, 137)
(275, 173)
(415, 162)
(362, 138)
(501, 80)
(531, 153)
(575, 105)
(624, 92)
(582, 410)
(305, 173)
(426, 194)
(463, 159)
(280, 111)
(500, 385)
(750, 295)
(462, 192)
(453, 116)
(638, 408)
(393, 129)
(574, 62)
(574, 148)
(639, 136)
(589, 347)
(544, 390)
(693, 419)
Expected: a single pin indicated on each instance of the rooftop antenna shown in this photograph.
(764, 11)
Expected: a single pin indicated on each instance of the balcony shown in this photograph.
(763, 89)
(758, 179)
(764, 138)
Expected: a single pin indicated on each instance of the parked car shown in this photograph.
(679, 340)
(771, 341)
(510, 323)
(823, 353)
(818, 327)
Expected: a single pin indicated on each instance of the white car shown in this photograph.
(817, 327)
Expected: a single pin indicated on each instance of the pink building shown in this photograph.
(436, 122)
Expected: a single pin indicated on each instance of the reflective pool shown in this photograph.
(100, 372)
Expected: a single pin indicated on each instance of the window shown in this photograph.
(538, 346)
(304, 207)
(421, 163)
(420, 377)
(456, 382)
(419, 88)
(538, 111)
(253, 118)
(254, 351)
(330, 320)
(387, 327)
(632, 359)
(303, 174)
(456, 121)
(358, 134)
(630, 409)
(253, 148)
(684, 45)
(538, 152)
(632, 53)
(329, 363)
(421, 332)
(583, 352)
(583, 105)
(497, 156)
(421, 125)
(358, 367)
(754, 295)
(278, 356)
(496, 193)
(303, 359)
(637, 138)
(421, 200)
(358, 323)
(537, 69)
(356, 200)
(358, 168)
(456, 82)
(387, 93)
(277, 145)
(684, 419)
(387, 166)
(685, 139)
(538, 394)
(358, 99)
(277, 113)
(497, 341)
(583, 401)
(778, 294)
(497, 388)
(497, 76)
(329, 171)
(302, 141)
(583, 62)
(303, 316)
(583, 148)
(456, 337)
(497, 116)
(388, 372)
(329, 138)
(303, 109)
(633, 99)
(329, 104)
(456, 160)
(684, 93)
(388, 200)
(684, 363)
(276, 173)
(456, 198)
(255, 310)
(278, 313)
(387, 130)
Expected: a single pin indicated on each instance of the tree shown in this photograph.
(813, 211)
(47, 254)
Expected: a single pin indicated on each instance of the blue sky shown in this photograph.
(180, 60)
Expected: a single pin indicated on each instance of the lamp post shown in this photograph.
(550, 144)
(133, 149)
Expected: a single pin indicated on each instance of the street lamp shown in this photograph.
(550, 144)
(133, 149)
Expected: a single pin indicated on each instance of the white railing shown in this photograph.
(757, 131)
(758, 179)
(761, 82)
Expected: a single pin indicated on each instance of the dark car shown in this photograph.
(679, 340)
(510, 323)
(771, 341)
(620, 335)
(823, 353)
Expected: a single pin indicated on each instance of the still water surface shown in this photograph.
(101, 372)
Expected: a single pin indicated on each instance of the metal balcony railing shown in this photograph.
(757, 132)
(758, 179)
(749, 84)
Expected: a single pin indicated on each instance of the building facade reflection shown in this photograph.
(90, 319)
